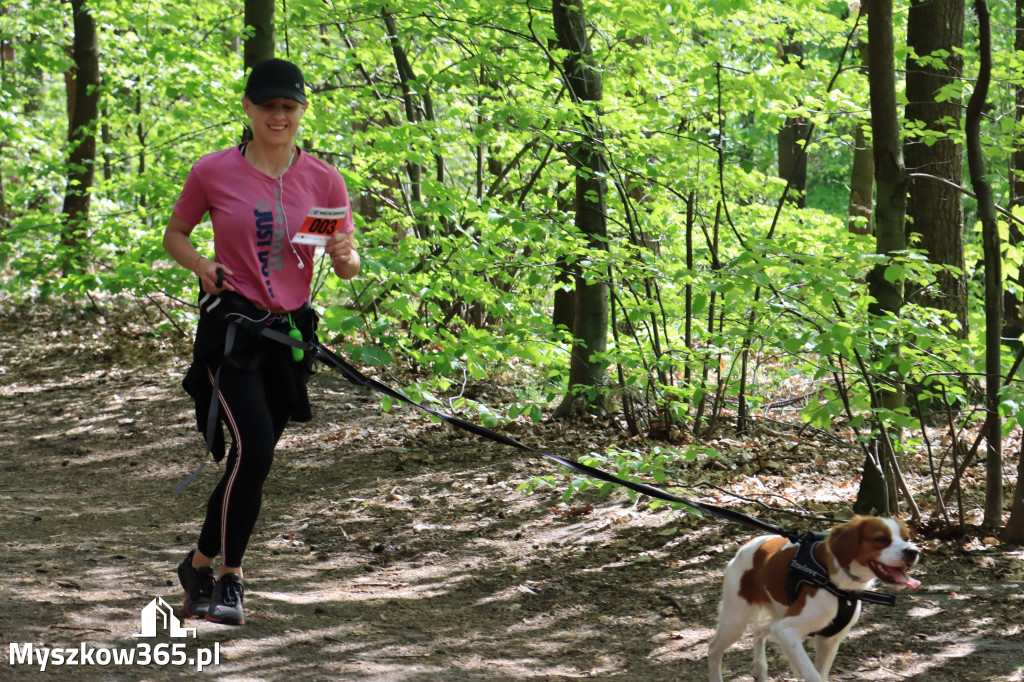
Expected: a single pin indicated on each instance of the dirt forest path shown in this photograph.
(393, 548)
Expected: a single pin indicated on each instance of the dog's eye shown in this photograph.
(883, 540)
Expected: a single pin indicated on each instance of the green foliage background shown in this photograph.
(458, 285)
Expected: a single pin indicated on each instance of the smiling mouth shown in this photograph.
(892, 575)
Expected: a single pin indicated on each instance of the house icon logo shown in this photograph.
(159, 616)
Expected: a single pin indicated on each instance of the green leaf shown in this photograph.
(894, 273)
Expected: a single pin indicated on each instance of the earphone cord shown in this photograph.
(280, 187)
(287, 231)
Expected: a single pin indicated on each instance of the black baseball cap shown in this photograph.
(275, 78)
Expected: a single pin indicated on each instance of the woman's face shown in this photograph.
(275, 121)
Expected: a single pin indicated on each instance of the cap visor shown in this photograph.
(261, 96)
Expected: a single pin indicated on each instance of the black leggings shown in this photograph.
(256, 421)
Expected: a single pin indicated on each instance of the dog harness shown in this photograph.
(805, 569)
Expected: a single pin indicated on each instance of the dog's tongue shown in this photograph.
(902, 578)
(894, 575)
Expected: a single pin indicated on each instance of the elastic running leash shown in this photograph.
(353, 375)
(819, 578)
(332, 360)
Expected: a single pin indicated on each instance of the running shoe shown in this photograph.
(226, 602)
(198, 584)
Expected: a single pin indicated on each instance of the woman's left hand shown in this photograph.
(341, 247)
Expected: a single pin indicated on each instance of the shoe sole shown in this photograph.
(188, 612)
(222, 621)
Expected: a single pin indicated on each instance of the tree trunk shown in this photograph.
(993, 273)
(791, 140)
(862, 174)
(405, 78)
(372, 205)
(792, 160)
(1013, 315)
(590, 318)
(419, 105)
(1017, 159)
(259, 14)
(1014, 531)
(935, 209)
(259, 47)
(563, 312)
(862, 184)
(6, 55)
(83, 111)
(876, 490)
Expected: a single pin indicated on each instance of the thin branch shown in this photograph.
(965, 192)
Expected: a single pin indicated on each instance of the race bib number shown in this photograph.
(320, 224)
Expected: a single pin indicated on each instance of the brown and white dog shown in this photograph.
(855, 554)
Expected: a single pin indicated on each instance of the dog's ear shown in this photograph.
(844, 541)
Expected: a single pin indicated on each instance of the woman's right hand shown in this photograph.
(213, 276)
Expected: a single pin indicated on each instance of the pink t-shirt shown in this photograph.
(255, 217)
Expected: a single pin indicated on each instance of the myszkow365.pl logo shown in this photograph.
(157, 616)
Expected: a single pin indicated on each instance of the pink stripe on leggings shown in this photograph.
(234, 471)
